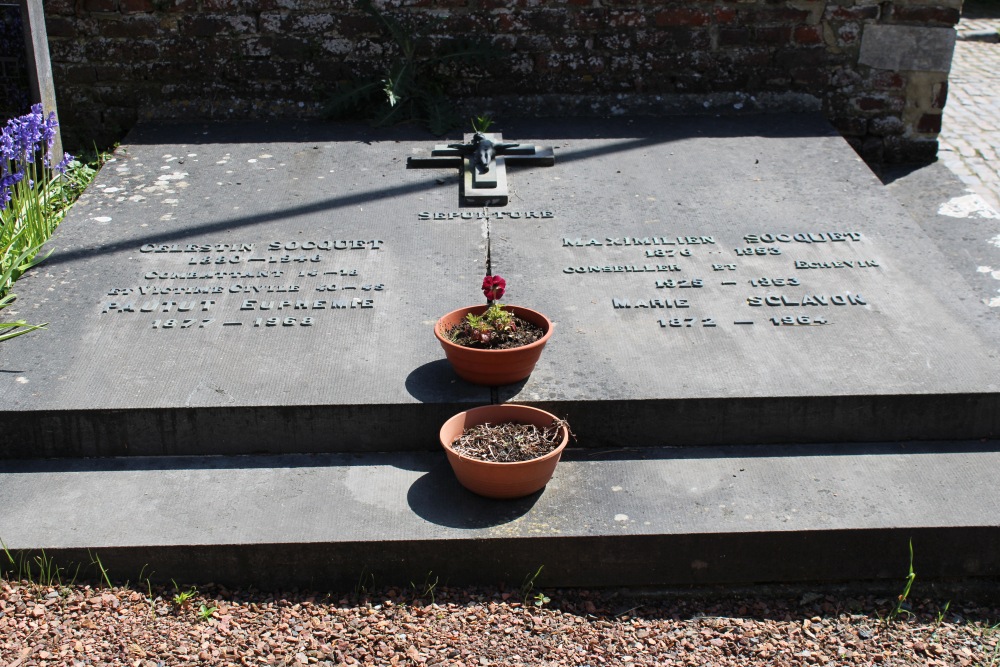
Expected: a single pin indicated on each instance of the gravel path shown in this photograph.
(81, 625)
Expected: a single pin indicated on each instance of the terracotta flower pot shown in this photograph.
(492, 367)
(501, 480)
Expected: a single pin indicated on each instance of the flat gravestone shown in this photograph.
(250, 288)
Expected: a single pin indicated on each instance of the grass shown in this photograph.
(902, 604)
(40, 570)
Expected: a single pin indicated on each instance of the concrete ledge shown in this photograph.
(322, 429)
(662, 516)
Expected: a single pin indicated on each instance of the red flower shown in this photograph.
(493, 287)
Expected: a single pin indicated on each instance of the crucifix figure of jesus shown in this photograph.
(482, 160)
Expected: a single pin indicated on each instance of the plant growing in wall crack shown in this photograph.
(416, 84)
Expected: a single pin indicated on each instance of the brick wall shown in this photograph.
(14, 96)
(865, 64)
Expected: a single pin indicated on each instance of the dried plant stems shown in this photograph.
(509, 442)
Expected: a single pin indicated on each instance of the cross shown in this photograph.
(483, 160)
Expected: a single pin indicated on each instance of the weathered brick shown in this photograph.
(100, 5)
(176, 6)
(113, 72)
(675, 16)
(878, 103)
(803, 57)
(810, 76)
(903, 149)
(943, 16)
(848, 34)
(73, 74)
(617, 18)
(886, 126)
(853, 126)
(940, 95)
(60, 26)
(856, 13)
(807, 34)
(725, 15)
(135, 6)
(929, 123)
(776, 35)
(59, 8)
(882, 80)
(130, 28)
(213, 25)
(734, 36)
(776, 15)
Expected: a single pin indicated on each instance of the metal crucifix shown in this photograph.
(483, 160)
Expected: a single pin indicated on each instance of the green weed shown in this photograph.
(427, 589)
(40, 570)
(181, 598)
(528, 587)
(482, 123)
(366, 583)
(901, 600)
(205, 612)
(96, 560)
(541, 599)
(417, 82)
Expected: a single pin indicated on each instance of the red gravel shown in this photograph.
(81, 625)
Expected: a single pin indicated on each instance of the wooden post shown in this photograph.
(41, 87)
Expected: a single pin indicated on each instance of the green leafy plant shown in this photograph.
(415, 85)
(206, 612)
(528, 585)
(482, 124)
(494, 323)
(181, 598)
(541, 599)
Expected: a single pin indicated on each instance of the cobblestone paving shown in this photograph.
(970, 135)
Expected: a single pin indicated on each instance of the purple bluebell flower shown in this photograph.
(20, 142)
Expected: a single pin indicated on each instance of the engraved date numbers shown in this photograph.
(774, 282)
(801, 321)
(181, 323)
(685, 322)
(668, 252)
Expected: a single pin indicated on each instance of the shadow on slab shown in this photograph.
(436, 382)
(635, 134)
(437, 497)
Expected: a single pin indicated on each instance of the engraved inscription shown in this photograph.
(785, 288)
(807, 300)
(284, 304)
(483, 215)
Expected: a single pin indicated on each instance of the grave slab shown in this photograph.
(738, 281)
(243, 288)
(231, 289)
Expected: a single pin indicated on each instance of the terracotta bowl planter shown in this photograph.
(501, 480)
(492, 367)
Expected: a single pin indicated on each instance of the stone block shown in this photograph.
(898, 47)
(271, 287)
